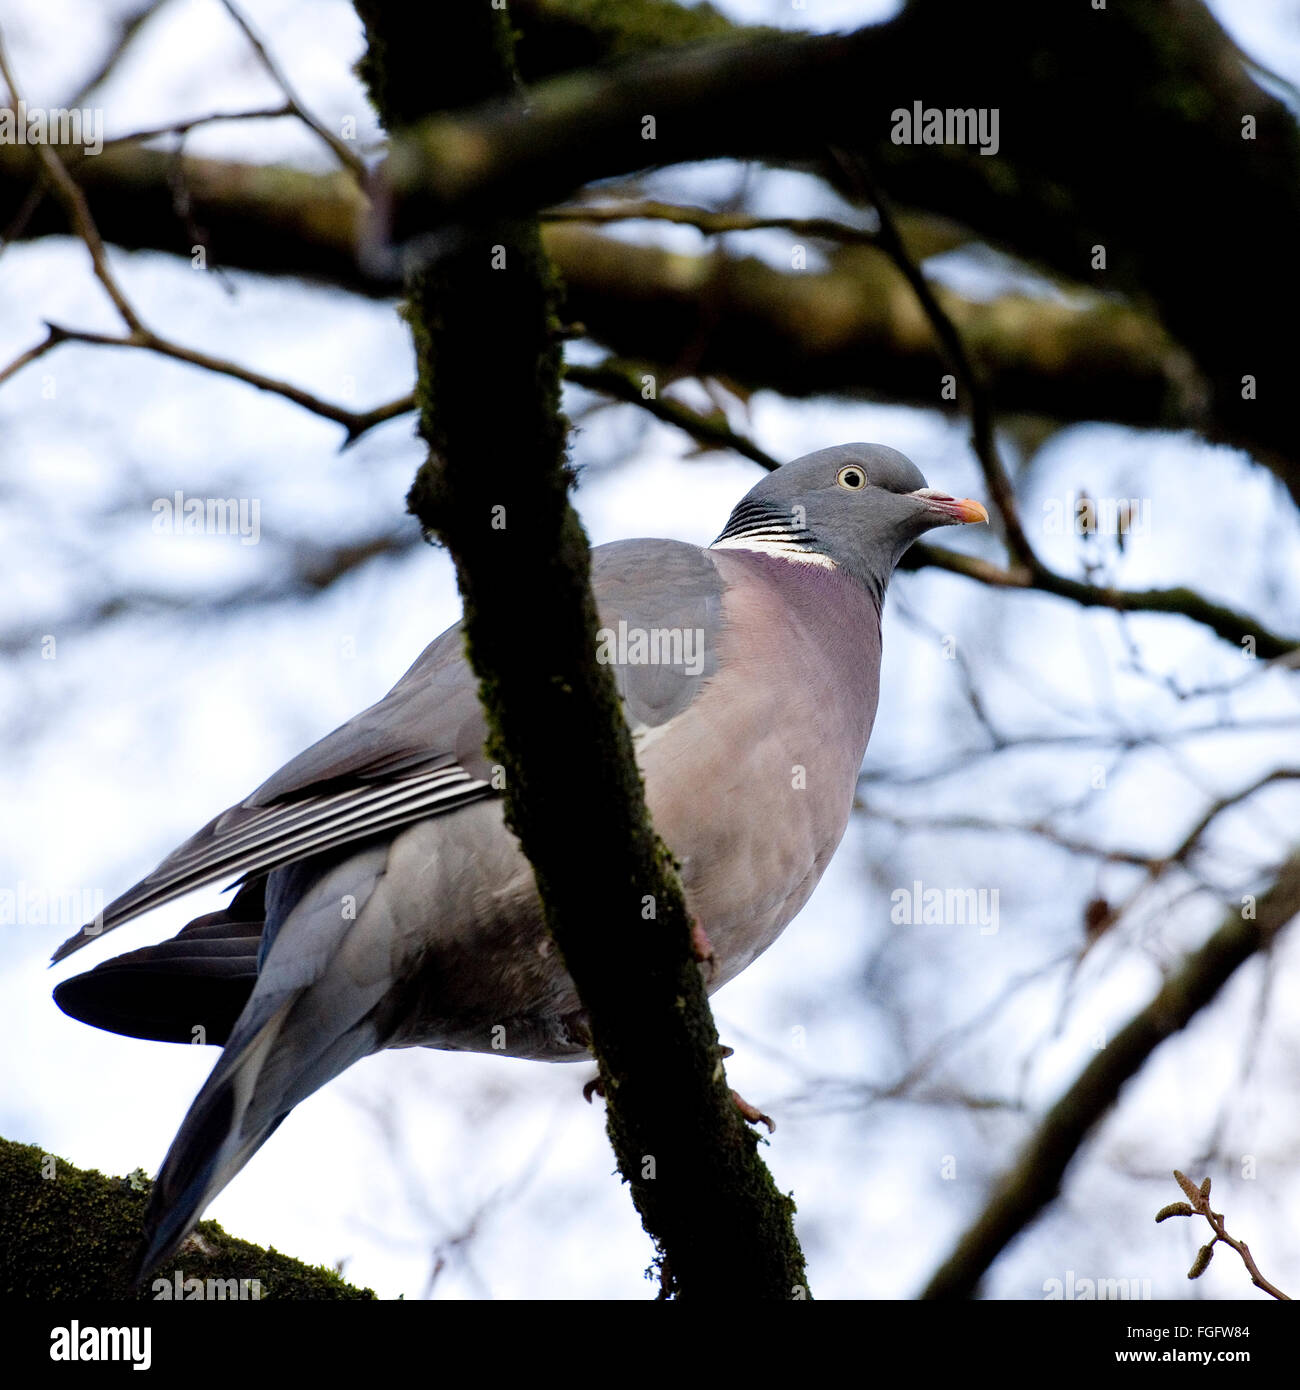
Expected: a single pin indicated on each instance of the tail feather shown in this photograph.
(309, 1017)
(278, 1055)
(213, 1143)
(200, 978)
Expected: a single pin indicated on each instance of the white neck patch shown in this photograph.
(787, 550)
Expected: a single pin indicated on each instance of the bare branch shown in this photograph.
(129, 28)
(53, 337)
(354, 422)
(710, 223)
(139, 336)
(1232, 626)
(75, 206)
(184, 127)
(621, 381)
(1155, 864)
(983, 438)
(347, 157)
(1034, 1180)
(1198, 1202)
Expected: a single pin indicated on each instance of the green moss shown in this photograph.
(72, 1233)
(630, 26)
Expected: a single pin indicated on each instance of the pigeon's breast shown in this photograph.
(751, 787)
(750, 760)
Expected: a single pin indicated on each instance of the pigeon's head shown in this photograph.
(857, 505)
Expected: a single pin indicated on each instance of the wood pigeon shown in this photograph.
(383, 902)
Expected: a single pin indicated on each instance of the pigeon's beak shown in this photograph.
(953, 509)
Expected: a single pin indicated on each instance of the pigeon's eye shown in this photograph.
(852, 478)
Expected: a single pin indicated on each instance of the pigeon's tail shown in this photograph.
(279, 1053)
(221, 1132)
(192, 988)
(311, 1012)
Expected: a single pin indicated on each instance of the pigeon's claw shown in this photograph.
(702, 948)
(752, 1113)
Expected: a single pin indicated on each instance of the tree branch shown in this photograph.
(136, 137)
(1119, 217)
(1198, 1201)
(621, 381)
(1228, 623)
(348, 158)
(70, 1233)
(488, 355)
(1037, 1175)
(838, 330)
(354, 422)
(983, 438)
(71, 198)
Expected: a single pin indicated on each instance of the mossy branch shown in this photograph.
(70, 1233)
(495, 491)
(1081, 196)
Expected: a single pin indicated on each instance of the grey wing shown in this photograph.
(416, 753)
(660, 605)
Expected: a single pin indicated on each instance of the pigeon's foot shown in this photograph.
(752, 1113)
(703, 950)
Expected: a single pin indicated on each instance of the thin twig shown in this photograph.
(709, 222)
(139, 335)
(1155, 864)
(184, 127)
(53, 337)
(1040, 829)
(347, 157)
(129, 27)
(1232, 626)
(983, 439)
(75, 205)
(354, 422)
(1198, 1203)
(27, 209)
(899, 776)
(1036, 1175)
(620, 381)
